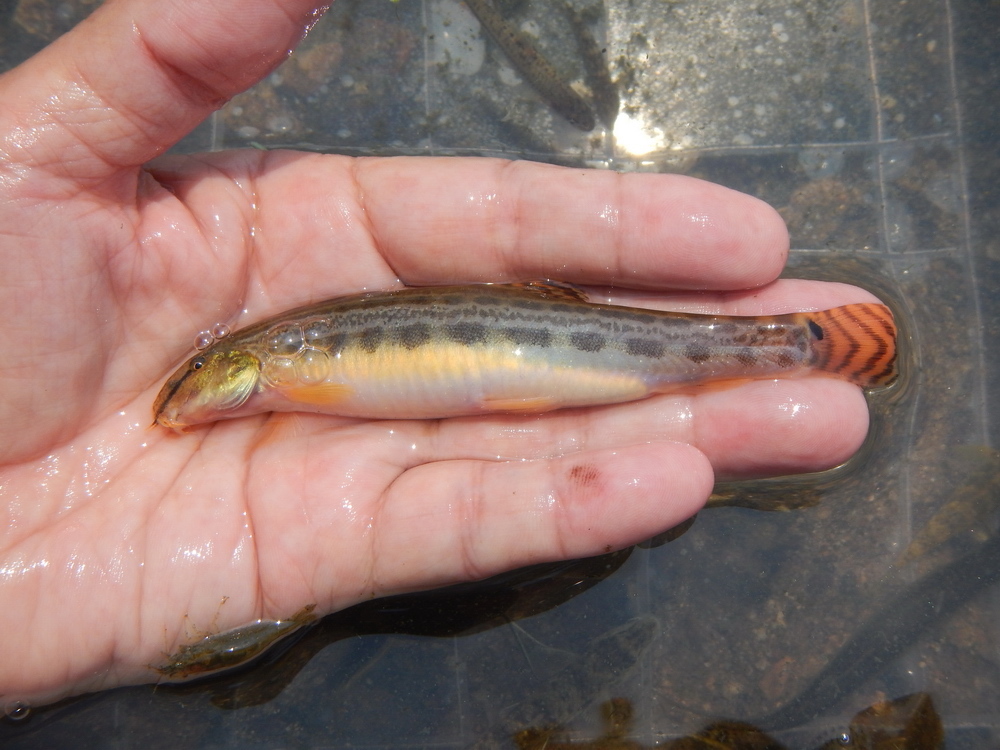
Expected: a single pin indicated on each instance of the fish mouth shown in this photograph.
(170, 424)
(167, 392)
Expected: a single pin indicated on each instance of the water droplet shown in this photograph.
(220, 330)
(844, 739)
(203, 340)
(16, 710)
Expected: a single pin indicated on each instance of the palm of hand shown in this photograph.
(268, 513)
(118, 542)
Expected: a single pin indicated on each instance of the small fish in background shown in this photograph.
(781, 495)
(460, 609)
(907, 723)
(436, 352)
(903, 618)
(608, 660)
(535, 68)
(231, 648)
(603, 89)
(617, 715)
(968, 513)
(726, 735)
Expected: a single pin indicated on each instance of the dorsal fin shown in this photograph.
(552, 290)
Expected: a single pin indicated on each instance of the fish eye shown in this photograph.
(197, 363)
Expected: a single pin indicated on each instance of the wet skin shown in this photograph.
(114, 539)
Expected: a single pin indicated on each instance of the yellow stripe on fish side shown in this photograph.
(491, 379)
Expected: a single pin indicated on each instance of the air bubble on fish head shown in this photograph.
(220, 331)
(203, 340)
(16, 710)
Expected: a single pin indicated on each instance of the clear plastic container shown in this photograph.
(868, 124)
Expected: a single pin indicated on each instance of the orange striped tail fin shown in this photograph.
(856, 343)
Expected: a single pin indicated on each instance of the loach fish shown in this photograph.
(434, 352)
(603, 89)
(233, 647)
(533, 66)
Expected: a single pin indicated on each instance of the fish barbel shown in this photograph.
(460, 350)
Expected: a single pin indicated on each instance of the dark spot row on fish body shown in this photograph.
(759, 335)
(647, 348)
(541, 337)
(467, 334)
(414, 335)
(517, 310)
(746, 357)
(335, 342)
(697, 353)
(632, 315)
(498, 315)
(587, 341)
(784, 360)
(369, 339)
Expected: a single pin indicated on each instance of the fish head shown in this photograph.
(209, 386)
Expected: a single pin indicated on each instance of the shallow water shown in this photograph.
(871, 125)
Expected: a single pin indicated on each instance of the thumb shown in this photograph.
(137, 76)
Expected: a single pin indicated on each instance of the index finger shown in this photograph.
(439, 220)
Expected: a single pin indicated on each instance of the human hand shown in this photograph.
(118, 542)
